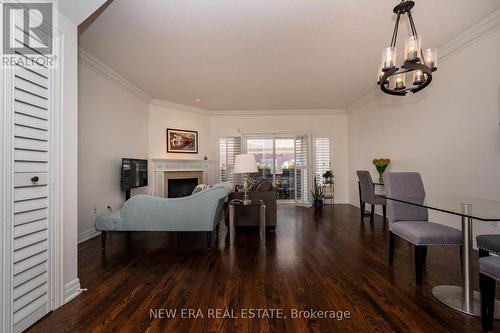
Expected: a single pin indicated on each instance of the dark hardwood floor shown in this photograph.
(322, 262)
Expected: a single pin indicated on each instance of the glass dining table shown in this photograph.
(462, 298)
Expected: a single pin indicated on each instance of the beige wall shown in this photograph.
(449, 132)
(162, 117)
(113, 123)
(332, 125)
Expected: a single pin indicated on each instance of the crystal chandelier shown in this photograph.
(416, 72)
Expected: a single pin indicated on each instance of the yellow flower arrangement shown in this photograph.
(381, 164)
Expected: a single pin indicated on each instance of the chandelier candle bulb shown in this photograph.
(400, 82)
(389, 57)
(430, 56)
(380, 72)
(417, 77)
(412, 47)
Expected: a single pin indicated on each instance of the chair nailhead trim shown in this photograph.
(483, 248)
(491, 276)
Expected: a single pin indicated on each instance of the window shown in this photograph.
(322, 161)
(229, 147)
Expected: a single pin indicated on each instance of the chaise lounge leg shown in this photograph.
(487, 289)
(384, 212)
(391, 246)
(424, 254)
(372, 213)
(419, 264)
(103, 240)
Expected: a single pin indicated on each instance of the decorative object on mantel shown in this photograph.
(416, 72)
(182, 141)
(328, 177)
(381, 164)
(245, 163)
(318, 192)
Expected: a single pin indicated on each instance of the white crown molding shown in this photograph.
(279, 112)
(99, 67)
(180, 107)
(472, 34)
(475, 32)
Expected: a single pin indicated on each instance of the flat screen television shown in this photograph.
(134, 173)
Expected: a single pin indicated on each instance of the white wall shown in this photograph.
(332, 125)
(449, 132)
(113, 123)
(169, 115)
(69, 149)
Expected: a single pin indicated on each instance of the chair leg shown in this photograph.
(209, 239)
(424, 254)
(363, 206)
(384, 210)
(391, 246)
(372, 214)
(103, 240)
(483, 253)
(487, 289)
(419, 264)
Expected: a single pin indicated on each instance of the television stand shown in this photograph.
(127, 195)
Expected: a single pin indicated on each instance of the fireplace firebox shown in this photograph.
(178, 188)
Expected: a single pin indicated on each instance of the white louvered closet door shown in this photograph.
(29, 267)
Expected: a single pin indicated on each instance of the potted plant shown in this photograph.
(328, 177)
(317, 194)
(381, 164)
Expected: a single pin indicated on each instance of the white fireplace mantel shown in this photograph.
(161, 165)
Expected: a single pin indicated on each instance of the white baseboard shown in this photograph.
(71, 290)
(88, 234)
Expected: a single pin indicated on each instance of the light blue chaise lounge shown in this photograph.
(201, 211)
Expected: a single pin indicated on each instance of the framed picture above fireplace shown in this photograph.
(182, 141)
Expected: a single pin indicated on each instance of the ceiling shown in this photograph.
(261, 54)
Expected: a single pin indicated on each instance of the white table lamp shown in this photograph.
(245, 164)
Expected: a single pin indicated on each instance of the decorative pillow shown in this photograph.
(252, 182)
(200, 188)
(263, 186)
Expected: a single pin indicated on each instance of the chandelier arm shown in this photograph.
(412, 24)
(395, 33)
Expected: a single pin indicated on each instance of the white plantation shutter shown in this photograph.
(302, 170)
(28, 283)
(322, 161)
(229, 147)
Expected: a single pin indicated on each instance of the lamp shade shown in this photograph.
(245, 163)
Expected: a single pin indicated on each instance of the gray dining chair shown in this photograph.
(487, 244)
(489, 273)
(367, 195)
(412, 222)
